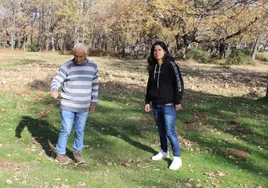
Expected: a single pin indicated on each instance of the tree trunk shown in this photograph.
(181, 45)
(47, 43)
(24, 42)
(222, 50)
(53, 43)
(267, 91)
(267, 88)
(12, 41)
(255, 47)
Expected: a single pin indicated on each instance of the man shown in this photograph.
(79, 83)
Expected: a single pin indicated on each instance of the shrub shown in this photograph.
(214, 55)
(262, 56)
(240, 57)
(32, 47)
(66, 52)
(200, 56)
(98, 52)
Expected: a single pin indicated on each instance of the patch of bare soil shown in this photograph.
(35, 76)
(247, 81)
(126, 75)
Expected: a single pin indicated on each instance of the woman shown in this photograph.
(164, 91)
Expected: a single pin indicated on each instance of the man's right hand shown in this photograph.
(54, 94)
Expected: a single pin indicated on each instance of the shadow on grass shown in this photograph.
(229, 75)
(243, 121)
(42, 132)
(220, 112)
(113, 130)
(219, 72)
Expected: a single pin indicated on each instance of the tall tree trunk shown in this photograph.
(47, 43)
(24, 46)
(267, 91)
(12, 40)
(31, 35)
(222, 49)
(53, 43)
(267, 88)
(24, 42)
(255, 47)
(181, 45)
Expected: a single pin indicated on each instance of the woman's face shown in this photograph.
(159, 52)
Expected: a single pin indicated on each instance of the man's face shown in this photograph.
(79, 56)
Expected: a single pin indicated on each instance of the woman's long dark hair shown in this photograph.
(151, 59)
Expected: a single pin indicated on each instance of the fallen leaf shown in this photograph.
(125, 164)
(9, 182)
(235, 122)
(80, 184)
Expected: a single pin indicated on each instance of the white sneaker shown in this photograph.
(160, 155)
(176, 163)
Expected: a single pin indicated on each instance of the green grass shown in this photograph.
(262, 56)
(31, 58)
(120, 139)
(265, 57)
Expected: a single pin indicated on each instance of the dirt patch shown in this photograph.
(121, 75)
(246, 81)
(28, 76)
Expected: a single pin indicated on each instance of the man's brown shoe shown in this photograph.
(78, 158)
(63, 159)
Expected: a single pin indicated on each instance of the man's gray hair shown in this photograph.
(79, 46)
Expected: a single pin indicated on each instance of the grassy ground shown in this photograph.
(223, 135)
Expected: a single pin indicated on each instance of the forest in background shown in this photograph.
(130, 26)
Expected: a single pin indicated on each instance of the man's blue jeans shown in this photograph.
(68, 119)
(165, 117)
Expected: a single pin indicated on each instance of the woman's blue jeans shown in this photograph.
(165, 117)
(68, 119)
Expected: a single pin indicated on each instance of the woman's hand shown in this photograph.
(147, 108)
(178, 107)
